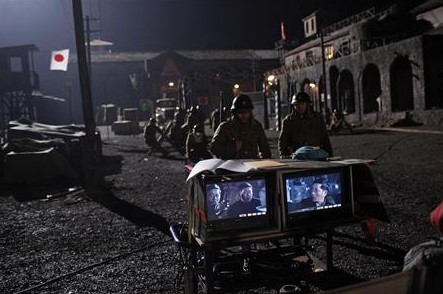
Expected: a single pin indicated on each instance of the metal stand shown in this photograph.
(202, 274)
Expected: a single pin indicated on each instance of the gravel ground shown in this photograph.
(73, 244)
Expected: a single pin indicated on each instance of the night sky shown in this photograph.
(143, 25)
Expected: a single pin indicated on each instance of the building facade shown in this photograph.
(380, 65)
(193, 77)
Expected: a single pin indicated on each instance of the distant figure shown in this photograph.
(150, 135)
(303, 127)
(338, 121)
(195, 117)
(328, 117)
(197, 145)
(215, 119)
(179, 116)
(177, 135)
(246, 204)
(241, 136)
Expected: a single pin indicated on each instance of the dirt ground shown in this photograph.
(120, 243)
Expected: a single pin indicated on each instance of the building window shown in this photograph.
(329, 52)
(309, 55)
(16, 64)
(345, 48)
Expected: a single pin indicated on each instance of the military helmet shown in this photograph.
(241, 102)
(199, 128)
(300, 97)
(213, 187)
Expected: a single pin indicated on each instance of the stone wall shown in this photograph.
(382, 57)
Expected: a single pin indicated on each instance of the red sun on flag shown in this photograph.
(59, 60)
(59, 57)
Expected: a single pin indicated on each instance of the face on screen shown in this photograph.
(246, 194)
(214, 195)
(236, 199)
(306, 193)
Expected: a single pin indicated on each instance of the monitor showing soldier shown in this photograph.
(217, 207)
(296, 193)
(319, 195)
(246, 202)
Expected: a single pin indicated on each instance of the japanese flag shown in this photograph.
(59, 60)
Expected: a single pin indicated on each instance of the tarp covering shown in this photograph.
(38, 167)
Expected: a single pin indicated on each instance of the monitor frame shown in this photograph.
(308, 221)
(241, 228)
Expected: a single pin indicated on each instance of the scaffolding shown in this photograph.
(18, 85)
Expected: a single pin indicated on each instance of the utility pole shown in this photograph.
(265, 107)
(91, 146)
(323, 61)
(88, 42)
(253, 75)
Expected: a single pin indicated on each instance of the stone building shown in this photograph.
(380, 65)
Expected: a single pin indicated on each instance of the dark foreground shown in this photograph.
(73, 244)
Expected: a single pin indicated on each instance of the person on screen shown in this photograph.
(296, 191)
(216, 207)
(246, 204)
(319, 195)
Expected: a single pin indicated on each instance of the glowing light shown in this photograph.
(312, 85)
(237, 86)
(271, 78)
(171, 84)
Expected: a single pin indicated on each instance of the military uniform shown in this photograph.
(196, 147)
(306, 130)
(234, 140)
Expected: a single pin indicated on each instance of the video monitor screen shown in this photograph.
(236, 199)
(313, 192)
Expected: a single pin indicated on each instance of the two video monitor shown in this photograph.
(240, 206)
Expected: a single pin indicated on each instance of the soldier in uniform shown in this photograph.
(149, 134)
(303, 127)
(177, 135)
(241, 136)
(215, 119)
(196, 145)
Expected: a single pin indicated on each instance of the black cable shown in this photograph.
(389, 148)
(91, 267)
